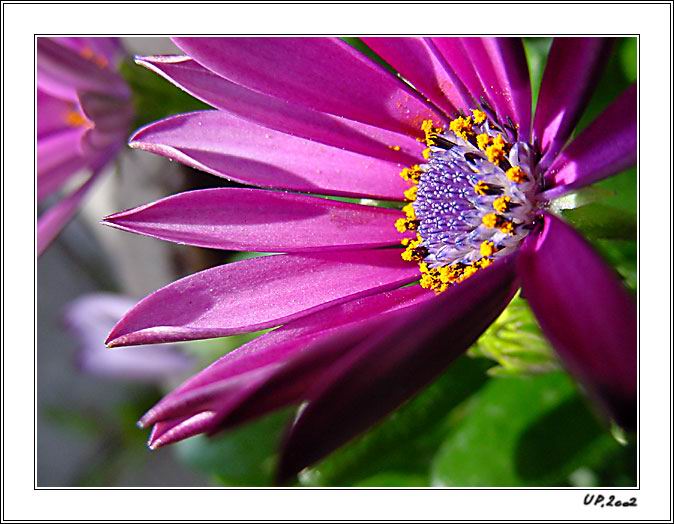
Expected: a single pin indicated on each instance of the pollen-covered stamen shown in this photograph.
(473, 200)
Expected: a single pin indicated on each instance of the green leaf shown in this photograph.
(406, 440)
(523, 431)
(601, 221)
(241, 457)
(393, 479)
(516, 343)
(536, 50)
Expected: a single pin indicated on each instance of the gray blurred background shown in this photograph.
(86, 434)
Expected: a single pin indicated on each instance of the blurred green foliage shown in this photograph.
(154, 97)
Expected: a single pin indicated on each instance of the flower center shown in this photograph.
(472, 201)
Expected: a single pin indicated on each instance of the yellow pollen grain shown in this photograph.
(487, 248)
(462, 127)
(507, 227)
(482, 263)
(411, 174)
(479, 116)
(496, 151)
(490, 220)
(501, 204)
(411, 193)
(516, 174)
(395, 148)
(401, 225)
(481, 188)
(408, 209)
(483, 140)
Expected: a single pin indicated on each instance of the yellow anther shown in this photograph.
(482, 263)
(413, 250)
(462, 127)
(516, 174)
(430, 132)
(491, 220)
(502, 204)
(426, 153)
(487, 248)
(496, 151)
(507, 227)
(408, 209)
(479, 116)
(411, 174)
(401, 225)
(75, 119)
(411, 193)
(483, 140)
(481, 188)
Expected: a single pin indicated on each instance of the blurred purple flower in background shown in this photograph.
(315, 115)
(84, 114)
(90, 318)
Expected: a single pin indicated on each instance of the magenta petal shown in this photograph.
(288, 118)
(458, 65)
(226, 145)
(52, 221)
(171, 431)
(571, 74)
(389, 368)
(416, 61)
(258, 293)
(586, 313)
(604, 148)
(324, 74)
(63, 72)
(258, 220)
(329, 330)
(501, 65)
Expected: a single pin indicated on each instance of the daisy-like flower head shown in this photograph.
(454, 136)
(84, 114)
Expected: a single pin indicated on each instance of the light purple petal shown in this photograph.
(387, 369)
(108, 48)
(259, 293)
(52, 221)
(571, 74)
(586, 313)
(288, 118)
(604, 148)
(324, 74)
(226, 145)
(63, 72)
(91, 317)
(263, 221)
(416, 61)
(52, 114)
(335, 327)
(56, 156)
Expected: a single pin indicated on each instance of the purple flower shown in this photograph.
(84, 113)
(90, 318)
(478, 170)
